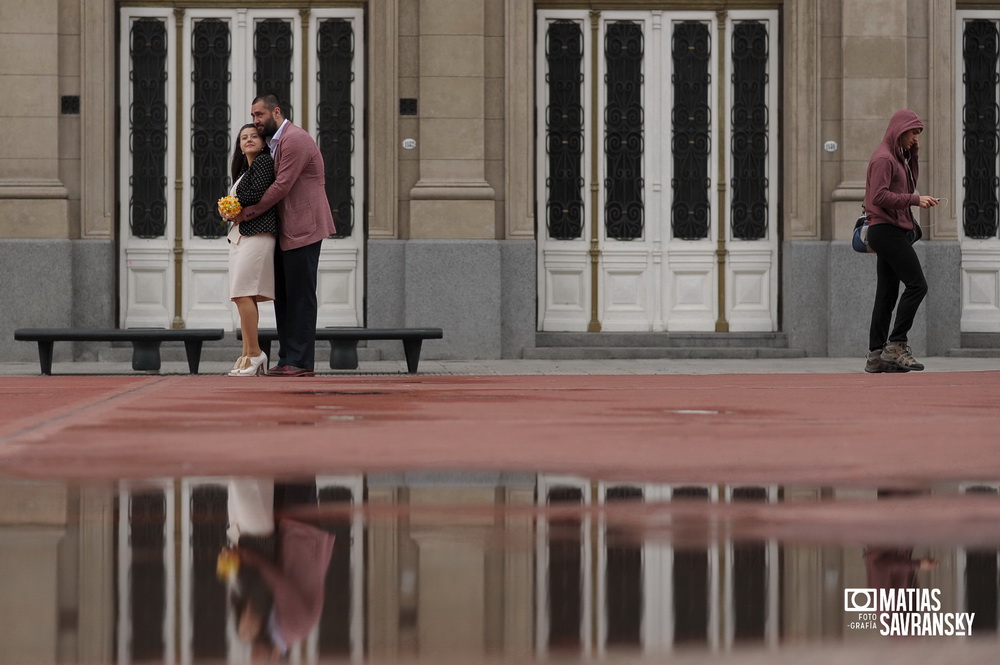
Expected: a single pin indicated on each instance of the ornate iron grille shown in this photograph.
(691, 117)
(148, 129)
(980, 208)
(982, 580)
(623, 131)
(691, 582)
(564, 130)
(335, 622)
(749, 575)
(335, 114)
(272, 53)
(148, 574)
(623, 579)
(750, 139)
(565, 579)
(210, 142)
(209, 517)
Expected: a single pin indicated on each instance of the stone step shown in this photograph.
(774, 340)
(658, 352)
(974, 353)
(981, 341)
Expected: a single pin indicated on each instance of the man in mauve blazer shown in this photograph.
(304, 219)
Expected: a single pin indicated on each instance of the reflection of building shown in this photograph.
(977, 570)
(512, 565)
(574, 165)
(57, 573)
(657, 591)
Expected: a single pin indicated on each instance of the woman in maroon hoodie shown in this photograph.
(892, 229)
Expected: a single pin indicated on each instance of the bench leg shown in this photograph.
(411, 348)
(45, 357)
(343, 354)
(146, 355)
(192, 347)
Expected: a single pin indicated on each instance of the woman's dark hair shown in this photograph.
(239, 163)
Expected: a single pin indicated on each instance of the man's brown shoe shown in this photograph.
(898, 355)
(875, 364)
(290, 371)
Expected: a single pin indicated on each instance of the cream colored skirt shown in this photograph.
(251, 266)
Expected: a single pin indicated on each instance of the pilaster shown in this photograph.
(942, 141)
(452, 198)
(33, 200)
(802, 102)
(875, 74)
(520, 103)
(97, 119)
(382, 117)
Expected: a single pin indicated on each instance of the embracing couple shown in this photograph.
(279, 180)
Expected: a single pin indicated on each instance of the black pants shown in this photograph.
(295, 494)
(897, 262)
(295, 305)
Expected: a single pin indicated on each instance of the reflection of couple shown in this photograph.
(280, 182)
(277, 591)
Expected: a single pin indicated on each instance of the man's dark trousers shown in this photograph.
(295, 305)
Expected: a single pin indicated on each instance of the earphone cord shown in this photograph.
(941, 201)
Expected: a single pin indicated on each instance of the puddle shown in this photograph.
(511, 567)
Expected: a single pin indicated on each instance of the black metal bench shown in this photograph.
(344, 342)
(145, 342)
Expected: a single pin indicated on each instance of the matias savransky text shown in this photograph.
(905, 612)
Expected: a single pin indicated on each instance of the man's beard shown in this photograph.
(268, 128)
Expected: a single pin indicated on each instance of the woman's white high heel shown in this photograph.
(255, 366)
(238, 365)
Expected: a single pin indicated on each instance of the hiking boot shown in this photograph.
(876, 365)
(898, 355)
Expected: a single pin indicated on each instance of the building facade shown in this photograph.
(511, 171)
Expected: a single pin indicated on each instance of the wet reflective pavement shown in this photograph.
(688, 519)
(470, 567)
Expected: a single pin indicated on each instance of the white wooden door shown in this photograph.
(978, 167)
(186, 82)
(657, 154)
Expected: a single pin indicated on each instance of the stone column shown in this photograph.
(32, 525)
(942, 144)
(33, 200)
(801, 101)
(383, 119)
(383, 577)
(96, 584)
(452, 198)
(876, 78)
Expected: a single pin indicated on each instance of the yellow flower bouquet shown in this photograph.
(229, 207)
(227, 565)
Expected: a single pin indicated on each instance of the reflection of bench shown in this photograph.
(344, 342)
(145, 342)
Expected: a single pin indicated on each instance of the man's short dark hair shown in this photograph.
(270, 100)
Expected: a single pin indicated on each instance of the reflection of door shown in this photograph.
(657, 170)
(654, 594)
(187, 80)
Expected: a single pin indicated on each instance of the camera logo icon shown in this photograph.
(860, 600)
